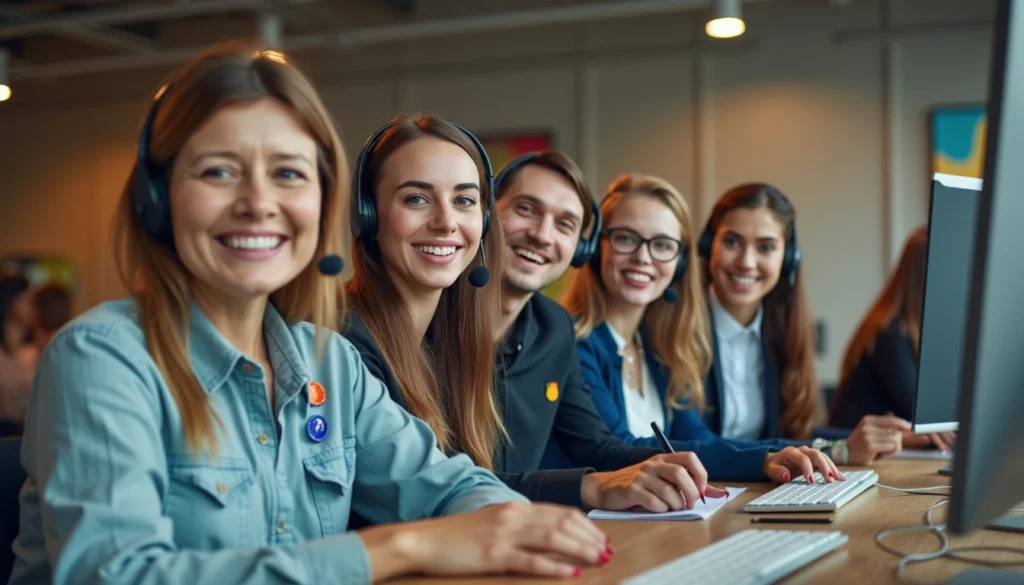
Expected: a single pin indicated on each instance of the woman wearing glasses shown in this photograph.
(642, 336)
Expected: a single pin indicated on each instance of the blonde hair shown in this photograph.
(227, 74)
(677, 332)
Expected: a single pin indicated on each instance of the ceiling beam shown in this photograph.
(92, 18)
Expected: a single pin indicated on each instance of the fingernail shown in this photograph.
(602, 559)
(608, 541)
(609, 550)
(577, 572)
(810, 479)
(727, 493)
(785, 476)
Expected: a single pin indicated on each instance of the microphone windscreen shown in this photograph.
(479, 276)
(670, 295)
(330, 265)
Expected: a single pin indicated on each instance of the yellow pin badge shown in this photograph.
(552, 391)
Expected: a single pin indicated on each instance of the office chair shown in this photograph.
(12, 476)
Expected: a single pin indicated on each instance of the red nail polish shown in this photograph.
(785, 476)
(603, 559)
(727, 493)
(576, 572)
(831, 475)
(609, 550)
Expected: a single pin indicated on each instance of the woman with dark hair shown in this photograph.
(879, 370)
(762, 383)
(641, 325)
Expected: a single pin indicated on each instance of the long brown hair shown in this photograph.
(450, 382)
(787, 313)
(228, 74)
(678, 332)
(900, 301)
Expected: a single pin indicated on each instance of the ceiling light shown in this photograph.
(726, 20)
(5, 88)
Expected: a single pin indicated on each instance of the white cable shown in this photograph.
(920, 491)
(944, 551)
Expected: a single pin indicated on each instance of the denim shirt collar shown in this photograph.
(213, 358)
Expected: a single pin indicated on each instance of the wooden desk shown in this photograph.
(642, 545)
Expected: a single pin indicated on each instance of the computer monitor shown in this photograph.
(953, 213)
(988, 472)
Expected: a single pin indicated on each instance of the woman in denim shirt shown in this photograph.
(210, 428)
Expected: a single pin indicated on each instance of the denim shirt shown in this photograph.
(114, 495)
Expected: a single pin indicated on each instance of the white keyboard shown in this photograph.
(800, 496)
(750, 557)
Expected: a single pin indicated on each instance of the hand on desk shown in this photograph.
(800, 461)
(507, 538)
(942, 441)
(876, 436)
(671, 481)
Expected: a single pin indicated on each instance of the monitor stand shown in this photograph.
(1009, 523)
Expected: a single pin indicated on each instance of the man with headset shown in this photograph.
(551, 220)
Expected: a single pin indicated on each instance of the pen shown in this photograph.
(668, 448)
(791, 520)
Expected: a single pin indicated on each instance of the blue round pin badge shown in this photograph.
(316, 426)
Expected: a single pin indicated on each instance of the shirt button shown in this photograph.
(222, 488)
(263, 439)
(519, 347)
(246, 368)
(280, 525)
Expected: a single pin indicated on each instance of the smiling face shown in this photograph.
(431, 216)
(541, 216)
(245, 201)
(637, 279)
(746, 258)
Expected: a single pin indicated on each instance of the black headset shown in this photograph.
(148, 183)
(585, 247)
(150, 202)
(364, 200)
(790, 255)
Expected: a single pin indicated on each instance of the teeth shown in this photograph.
(637, 276)
(437, 250)
(252, 243)
(744, 281)
(524, 253)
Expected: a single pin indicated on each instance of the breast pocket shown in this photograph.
(209, 502)
(330, 474)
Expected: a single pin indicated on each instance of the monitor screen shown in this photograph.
(954, 211)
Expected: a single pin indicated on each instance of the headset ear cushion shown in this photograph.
(707, 239)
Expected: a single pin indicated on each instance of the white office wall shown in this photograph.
(814, 99)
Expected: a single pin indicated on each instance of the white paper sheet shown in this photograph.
(699, 512)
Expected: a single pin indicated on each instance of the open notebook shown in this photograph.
(699, 512)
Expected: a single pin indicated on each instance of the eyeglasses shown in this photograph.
(627, 241)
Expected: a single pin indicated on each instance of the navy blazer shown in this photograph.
(722, 458)
(714, 385)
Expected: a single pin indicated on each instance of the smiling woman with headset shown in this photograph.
(762, 383)
(426, 323)
(643, 343)
(212, 427)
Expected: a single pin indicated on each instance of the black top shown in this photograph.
(885, 380)
(541, 395)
